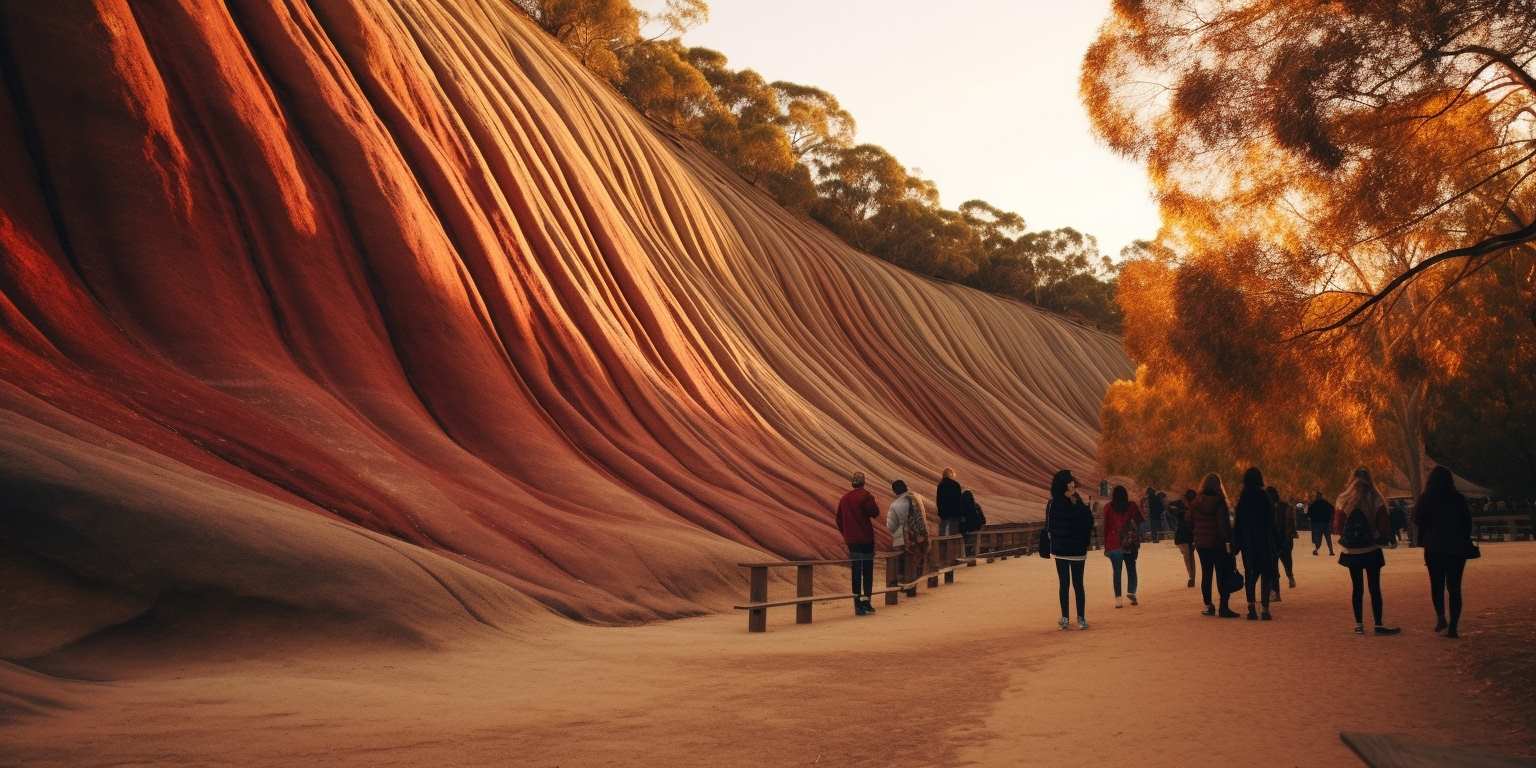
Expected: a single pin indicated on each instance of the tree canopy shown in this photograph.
(1340, 181)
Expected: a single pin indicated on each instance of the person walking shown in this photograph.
(1122, 539)
(1320, 518)
(1445, 533)
(1211, 529)
(907, 520)
(1285, 540)
(951, 502)
(1362, 524)
(1155, 513)
(1399, 517)
(973, 521)
(1183, 533)
(856, 512)
(1070, 525)
(1253, 537)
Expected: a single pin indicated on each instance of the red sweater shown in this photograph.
(856, 512)
(1114, 521)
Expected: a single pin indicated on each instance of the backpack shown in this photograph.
(1130, 536)
(1357, 531)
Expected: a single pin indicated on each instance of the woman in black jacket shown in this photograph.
(1070, 524)
(1253, 535)
(1445, 530)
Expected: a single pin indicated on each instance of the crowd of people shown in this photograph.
(1257, 532)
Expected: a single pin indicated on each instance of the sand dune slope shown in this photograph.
(362, 304)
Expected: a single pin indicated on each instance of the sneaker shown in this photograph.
(1252, 614)
(1210, 610)
(1359, 629)
(1228, 613)
(869, 607)
(1082, 623)
(1117, 602)
(1063, 623)
(858, 608)
(1452, 633)
(1440, 626)
(1133, 598)
(1380, 630)
(1264, 616)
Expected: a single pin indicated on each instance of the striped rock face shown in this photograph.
(388, 309)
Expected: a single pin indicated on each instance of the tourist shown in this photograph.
(1253, 537)
(1445, 533)
(973, 521)
(1155, 514)
(1320, 517)
(1399, 515)
(1362, 524)
(1183, 532)
(1122, 539)
(1211, 529)
(1285, 540)
(1070, 525)
(855, 513)
(907, 521)
(951, 502)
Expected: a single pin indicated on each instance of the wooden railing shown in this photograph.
(945, 555)
(1502, 528)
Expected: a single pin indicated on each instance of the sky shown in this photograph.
(979, 95)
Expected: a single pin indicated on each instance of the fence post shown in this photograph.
(757, 618)
(892, 578)
(803, 589)
(951, 558)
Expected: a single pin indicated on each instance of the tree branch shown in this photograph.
(1496, 243)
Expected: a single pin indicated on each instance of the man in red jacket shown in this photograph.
(856, 512)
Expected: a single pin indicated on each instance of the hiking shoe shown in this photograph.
(1063, 623)
(1133, 598)
(858, 608)
(1440, 626)
(1082, 623)
(869, 607)
(1228, 613)
(1210, 610)
(1452, 633)
(1292, 580)
(1359, 629)
(1190, 584)
(1264, 616)
(1252, 614)
(1380, 630)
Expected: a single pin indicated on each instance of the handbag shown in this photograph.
(1234, 580)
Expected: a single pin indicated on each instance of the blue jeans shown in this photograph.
(1117, 558)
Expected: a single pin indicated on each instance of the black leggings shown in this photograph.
(1074, 569)
(1372, 575)
(1212, 559)
(1260, 568)
(1445, 573)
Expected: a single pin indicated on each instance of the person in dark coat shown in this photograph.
(1155, 507)
(1285, 540)
(856, 512)
(973, 521)
(1211, 526)
(1445, 530)
(1320, 517)
(1253, 537)
(951, 502)
(1070, 524)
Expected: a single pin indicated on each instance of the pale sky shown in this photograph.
(979, 95)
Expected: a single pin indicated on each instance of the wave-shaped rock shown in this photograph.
(328, 303)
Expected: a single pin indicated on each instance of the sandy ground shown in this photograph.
(973, 673)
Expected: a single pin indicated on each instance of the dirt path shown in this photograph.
(973, 674)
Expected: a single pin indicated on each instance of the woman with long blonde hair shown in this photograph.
(1211, 524)
(1362, 524)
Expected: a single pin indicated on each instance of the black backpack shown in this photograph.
(1357, 531)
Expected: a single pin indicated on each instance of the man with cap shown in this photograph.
(855, 513)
